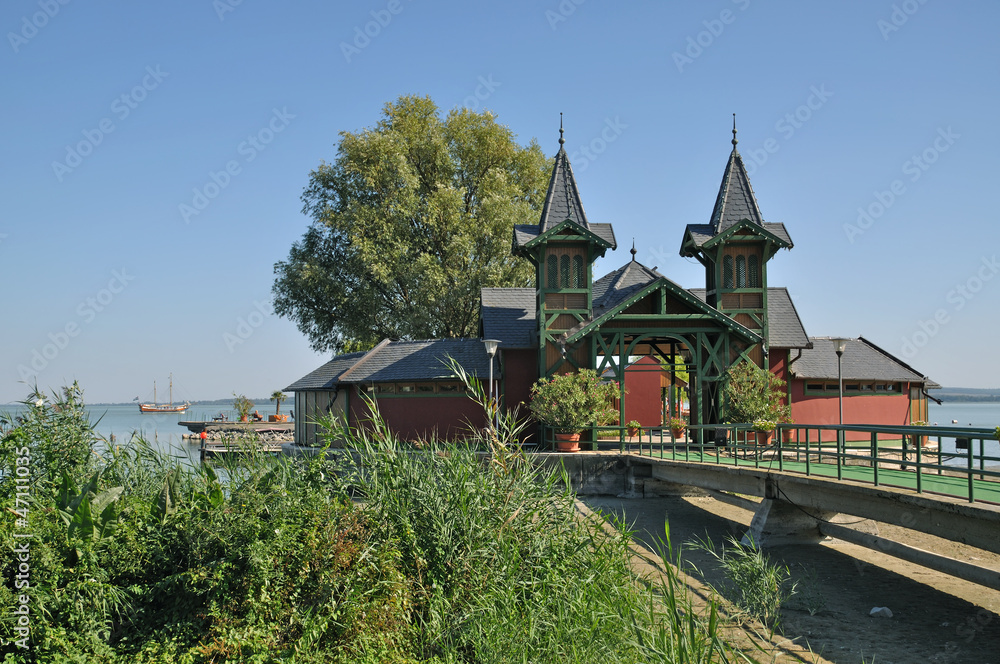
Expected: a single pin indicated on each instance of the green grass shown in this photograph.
(456, 552)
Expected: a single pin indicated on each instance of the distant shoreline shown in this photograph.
(214, 402)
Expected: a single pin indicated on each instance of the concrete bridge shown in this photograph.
(802, 507)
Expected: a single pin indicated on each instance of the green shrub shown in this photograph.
(753, 394)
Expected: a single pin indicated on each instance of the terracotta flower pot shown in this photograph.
(763, 437)
(677, 432)
(632, 431)
(567, 442)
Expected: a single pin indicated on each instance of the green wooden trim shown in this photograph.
(554, 234)
(726, 236)
(710, 313)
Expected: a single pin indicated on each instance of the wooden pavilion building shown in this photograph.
(570, 321)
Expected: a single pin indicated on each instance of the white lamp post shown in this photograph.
(491, 350)
(840, 345)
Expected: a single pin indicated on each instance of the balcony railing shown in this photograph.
(959, 462)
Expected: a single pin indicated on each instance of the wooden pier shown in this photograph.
(239, 427)
(213, 449)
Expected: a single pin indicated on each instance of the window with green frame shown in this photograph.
(753, 278)
(578, 276)
(552, 271)
(852, 388)
(564, 271)
(727, 272)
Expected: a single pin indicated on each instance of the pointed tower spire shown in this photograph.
(633, 251)
(736, 200)
(562, 201)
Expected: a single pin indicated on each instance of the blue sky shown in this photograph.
(869, 129)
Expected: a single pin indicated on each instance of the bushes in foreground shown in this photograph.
(438, 555)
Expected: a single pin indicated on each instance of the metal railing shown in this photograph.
(960, 462)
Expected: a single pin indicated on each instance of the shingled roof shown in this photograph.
(862, 360)
(735, 200)
(734, 203)
(326, 377)
(617, 286)
(398, 361)
(784, 327)
(562, 203)
(508, 315)
(562, 200)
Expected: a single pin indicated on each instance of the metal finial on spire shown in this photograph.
(561, 139)
(734, 131)
(633, 252)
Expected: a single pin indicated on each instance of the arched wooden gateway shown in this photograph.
(571, 321)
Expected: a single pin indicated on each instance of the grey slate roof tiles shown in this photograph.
(862, 360)
(562, 200)
(508, 315)
(617, 286)
(735, 200)
(325, 377)
(734, 203)
(398, 361)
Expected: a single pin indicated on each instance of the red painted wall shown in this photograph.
(861, 409)
(520, 371)
(642, 401)
(416, 417)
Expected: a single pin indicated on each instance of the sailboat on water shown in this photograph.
(168, 407)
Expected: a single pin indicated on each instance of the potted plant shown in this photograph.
(278, 396)
(242, 405)
(755, 395)
(764, 430)
(786, 434)
(633, 427)
(677, 427)
(569, 403)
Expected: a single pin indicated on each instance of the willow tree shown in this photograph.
(413, 218)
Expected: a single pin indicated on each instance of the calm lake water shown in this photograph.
(161, 430)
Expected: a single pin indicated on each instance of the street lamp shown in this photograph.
(491, 350)
(840, 345)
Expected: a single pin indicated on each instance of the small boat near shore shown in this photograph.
(168, 407)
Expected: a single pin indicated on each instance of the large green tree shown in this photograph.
(408, 224)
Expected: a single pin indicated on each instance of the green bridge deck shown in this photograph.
(929, 481)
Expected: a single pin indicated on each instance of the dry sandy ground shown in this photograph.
(936, 618)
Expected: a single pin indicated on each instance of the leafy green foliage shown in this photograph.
(448, 558)
(754, 394)
(570, 402)
(409, 223)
